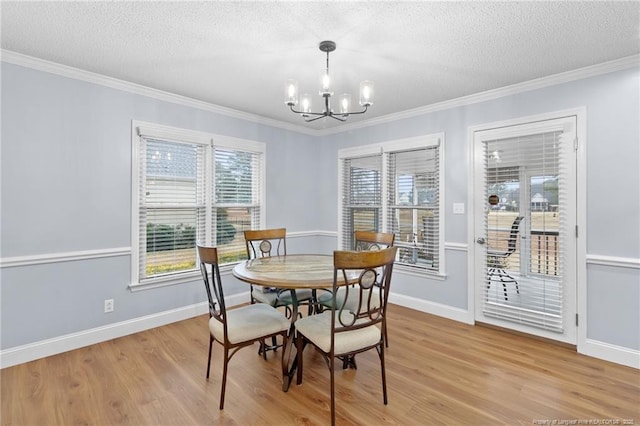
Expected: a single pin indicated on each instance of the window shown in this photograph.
(396, 187)
(362, 195)
(190, 186)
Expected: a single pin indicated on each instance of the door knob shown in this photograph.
(480, 240)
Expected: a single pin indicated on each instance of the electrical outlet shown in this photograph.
(458, 208)
(108, 305)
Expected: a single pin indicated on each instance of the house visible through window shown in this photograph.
(396, 187)
(191, 187)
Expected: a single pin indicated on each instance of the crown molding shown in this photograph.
(539, 83)
(126, 86)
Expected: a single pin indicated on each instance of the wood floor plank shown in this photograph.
(438, 372)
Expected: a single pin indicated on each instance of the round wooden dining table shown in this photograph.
(293, 271)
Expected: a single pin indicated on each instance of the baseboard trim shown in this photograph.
(456, 314)
(611, 353)
(44, 348)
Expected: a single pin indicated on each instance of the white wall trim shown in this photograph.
(56, 345)
(433, 308)
(303, 234)
(126, 86)
(90, 77)
(611, 353)
(539, 83)
(456, 246)
(39, 259)
(613, 261)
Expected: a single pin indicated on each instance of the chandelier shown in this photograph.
(291, 95)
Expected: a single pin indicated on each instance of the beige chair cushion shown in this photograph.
(326, 297)
(317, 328)
(284, 298)
(250, 322)
(265, 297)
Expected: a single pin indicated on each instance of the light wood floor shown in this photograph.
(438, 372)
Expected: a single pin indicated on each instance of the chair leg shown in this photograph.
(224, 376)
(299, 350)
(349, 361)
(333, 391)
(386, 336)
(209, 359)
(504, 278)
(384, 375)
(283, 360)
(262, 349)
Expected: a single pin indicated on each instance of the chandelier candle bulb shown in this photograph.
(366, 93)
(291, 93)
(325, 84)
(305, 104)
(345, 103)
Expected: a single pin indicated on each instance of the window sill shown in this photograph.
(186, 277)
(165, 281)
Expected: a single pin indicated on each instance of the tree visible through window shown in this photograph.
(236, 200)
(190, 190)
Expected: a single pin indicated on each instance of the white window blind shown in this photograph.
(525, 279)
(188, 189)
(237, 200)
(171, 206)
(396, 187)
(413, 182)
(362, 197)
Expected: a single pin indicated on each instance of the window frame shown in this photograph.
(385, 149)
(141, 130)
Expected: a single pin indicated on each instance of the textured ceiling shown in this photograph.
(239, 54)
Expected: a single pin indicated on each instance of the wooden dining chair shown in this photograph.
(363, 241)
(236, 328)
(344, 331)
(371, 240)
(266, 243)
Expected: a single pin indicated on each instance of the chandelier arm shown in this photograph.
(338, 118)
(316, 118)
(358, 112)
(308, 113)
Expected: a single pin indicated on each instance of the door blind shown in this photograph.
(525, 190)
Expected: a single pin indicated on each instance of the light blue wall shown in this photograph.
(66, 187)
(613, 190)
(66, 171)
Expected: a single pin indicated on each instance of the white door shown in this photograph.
(525, 227)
